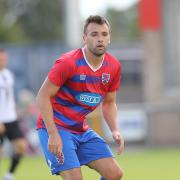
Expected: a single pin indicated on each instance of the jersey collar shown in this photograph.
(91, 67)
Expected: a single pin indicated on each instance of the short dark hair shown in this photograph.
(95, 19)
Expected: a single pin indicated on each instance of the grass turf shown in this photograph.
(156, 164)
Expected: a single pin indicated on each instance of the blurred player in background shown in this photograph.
(78, 82)
(9, 127)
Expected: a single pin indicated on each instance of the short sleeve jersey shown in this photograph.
(81, 88)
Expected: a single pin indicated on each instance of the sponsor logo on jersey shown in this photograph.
(90, 99)
(105, 78)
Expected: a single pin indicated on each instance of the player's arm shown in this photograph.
(45, 93)
(109, 108)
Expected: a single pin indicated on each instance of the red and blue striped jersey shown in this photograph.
(82, 88)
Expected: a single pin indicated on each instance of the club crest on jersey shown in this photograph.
(105, 78)
(82, 77)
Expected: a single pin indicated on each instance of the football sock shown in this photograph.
(15, 159)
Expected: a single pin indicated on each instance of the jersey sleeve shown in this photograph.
(60, 72)
(116, 80)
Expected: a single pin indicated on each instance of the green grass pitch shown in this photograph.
(138, 165)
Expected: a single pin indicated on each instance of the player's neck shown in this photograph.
(94, 61)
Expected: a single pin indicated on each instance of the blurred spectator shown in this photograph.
(9, 126)
(27, 113)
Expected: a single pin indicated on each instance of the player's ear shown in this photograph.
(84, 38)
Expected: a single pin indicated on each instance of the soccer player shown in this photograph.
(78, 82)
(8, 117)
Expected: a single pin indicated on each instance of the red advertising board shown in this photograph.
(150, 14)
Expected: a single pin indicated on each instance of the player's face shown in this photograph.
(3, 59)
(97, 38)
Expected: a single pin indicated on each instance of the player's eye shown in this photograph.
(94, 34)
(105, 34)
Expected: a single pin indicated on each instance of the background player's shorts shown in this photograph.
(78, 149)
(12, 132)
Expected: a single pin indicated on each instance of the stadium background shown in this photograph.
(145, 38)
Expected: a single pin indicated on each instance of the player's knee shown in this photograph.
(72, 176)
(21, 147)
(77, 177)
(117, 175)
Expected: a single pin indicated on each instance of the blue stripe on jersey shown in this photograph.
(75, 107)
(81, 62)
(69, 90)
(66, 120)
(86, 79)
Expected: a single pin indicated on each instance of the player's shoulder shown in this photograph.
(8, 72)
(71, 56)
(112, 60)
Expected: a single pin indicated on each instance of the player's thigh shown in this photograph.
(74, 174)
(2, 129)
(107, 167)
(70, 160)
(93, 147)
(16, 137)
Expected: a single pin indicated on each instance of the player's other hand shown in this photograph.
(2, 129)
(55, 144)
(119, 141)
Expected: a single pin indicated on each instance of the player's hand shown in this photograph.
(2, 128)
(55, 144)
(119, 141)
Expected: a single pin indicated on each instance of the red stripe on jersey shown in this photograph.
(69, 112)
(76, 129)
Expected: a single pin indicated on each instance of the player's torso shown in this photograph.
(87, 87)
(82, 91)
(6, 86)
(90, 86)
(7, 104)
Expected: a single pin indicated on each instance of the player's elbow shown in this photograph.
(40, 99)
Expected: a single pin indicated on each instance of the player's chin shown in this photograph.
(100, 52)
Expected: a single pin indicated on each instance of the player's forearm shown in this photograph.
(110, 115)
(45, 108)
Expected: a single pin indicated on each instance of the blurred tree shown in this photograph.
(9, 32)
(31, 20)
(43, 20)
(124, 24)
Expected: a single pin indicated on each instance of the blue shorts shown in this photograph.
(78, 149)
